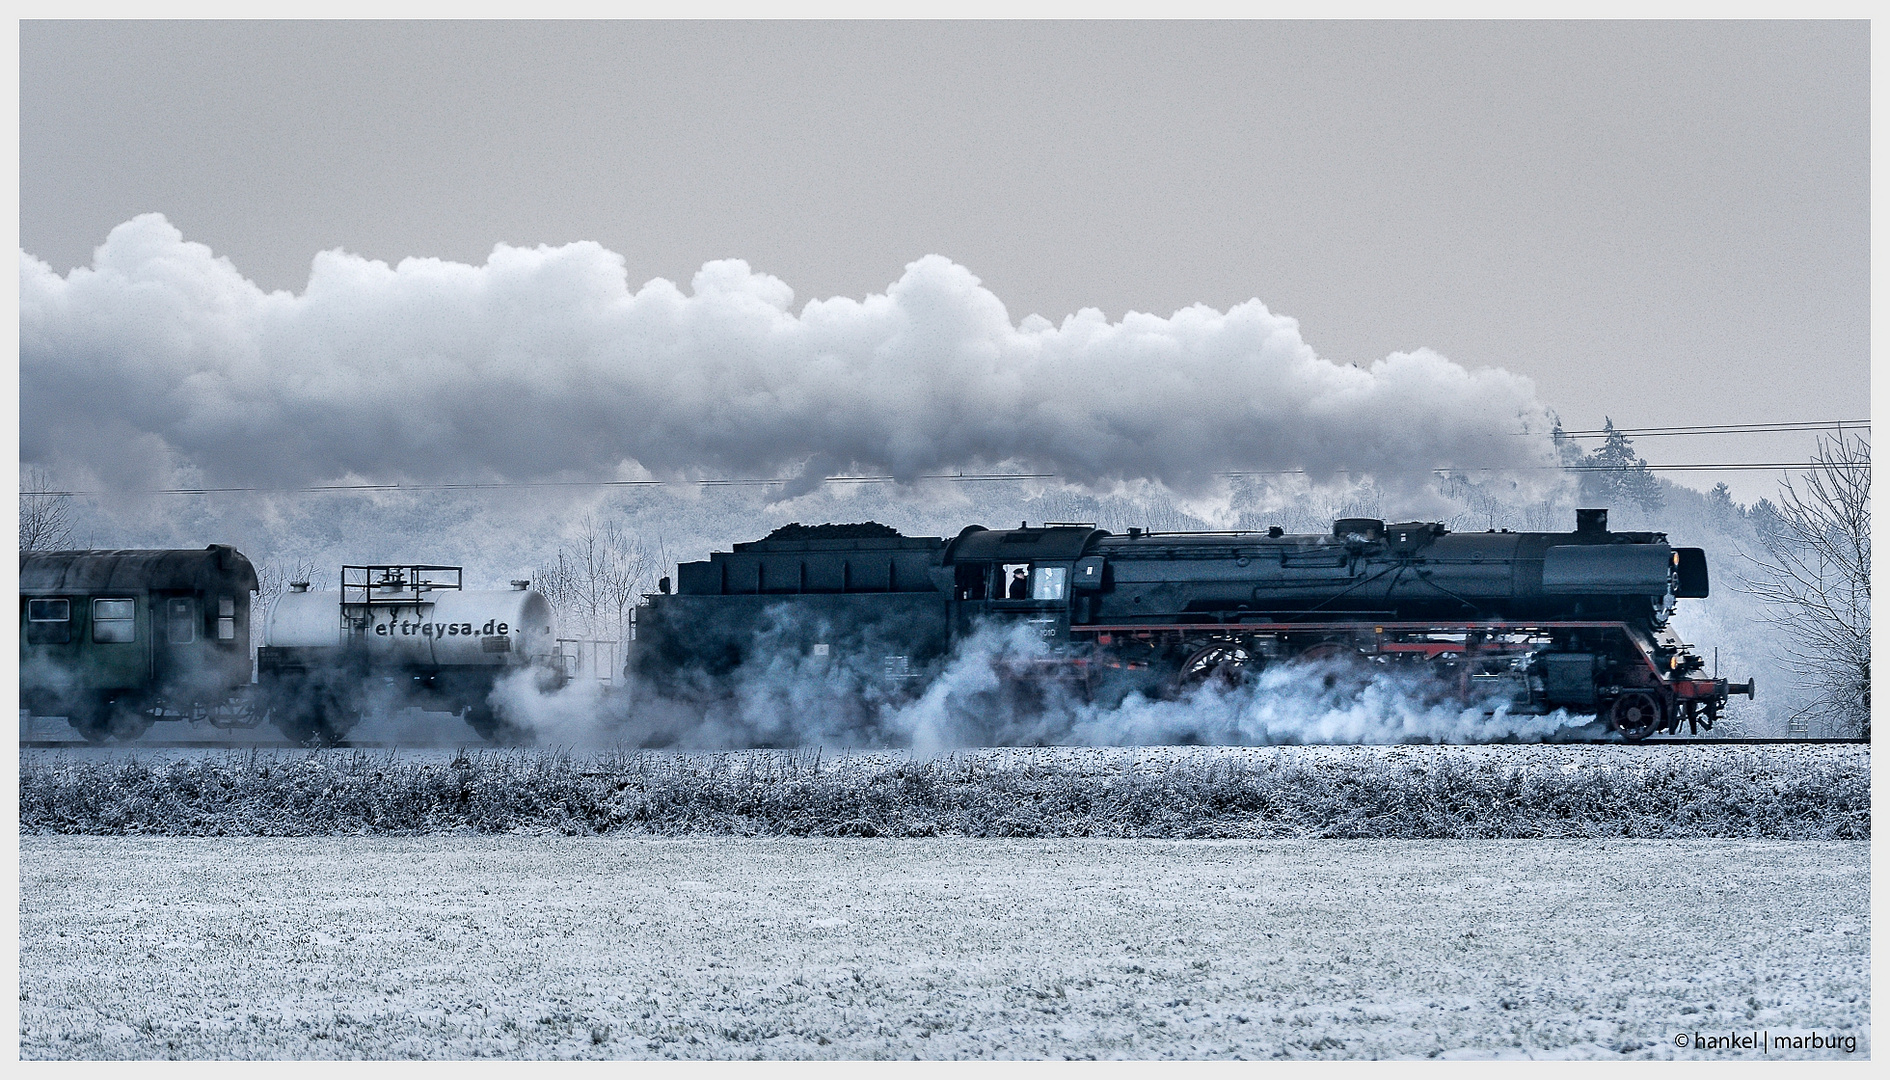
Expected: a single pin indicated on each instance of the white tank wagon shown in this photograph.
(400, 635)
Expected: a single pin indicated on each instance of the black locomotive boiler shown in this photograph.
(1576, 621)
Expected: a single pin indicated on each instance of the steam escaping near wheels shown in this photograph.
(1219, 663)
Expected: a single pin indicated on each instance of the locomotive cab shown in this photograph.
(1043, 577)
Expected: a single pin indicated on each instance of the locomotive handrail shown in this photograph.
(1388, 625)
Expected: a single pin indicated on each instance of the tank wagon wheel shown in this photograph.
(97, 736)
(1223, 663)
(311, 725)
(494, 730)
(1636, 715)
(127, 724)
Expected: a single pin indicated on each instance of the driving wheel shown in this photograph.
(1636, 715)
(1223, 663)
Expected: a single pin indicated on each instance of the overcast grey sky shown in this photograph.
(1662, 222)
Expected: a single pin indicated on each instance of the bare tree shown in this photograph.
(45, 513)
(596, 578)
(1815, 572)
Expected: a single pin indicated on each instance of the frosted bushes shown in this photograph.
(1407, 792)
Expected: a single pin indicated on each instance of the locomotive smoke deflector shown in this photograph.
(1690, 573)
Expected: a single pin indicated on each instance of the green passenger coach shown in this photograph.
(113, 640)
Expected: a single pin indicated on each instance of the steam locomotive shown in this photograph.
(1540, 621)
(1543, 621)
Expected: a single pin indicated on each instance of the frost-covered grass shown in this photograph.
(719, 947)
(1820, 792)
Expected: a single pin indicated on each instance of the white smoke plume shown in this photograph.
(160, 363)
(999, 688)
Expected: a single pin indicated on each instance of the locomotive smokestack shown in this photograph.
(1591, 521)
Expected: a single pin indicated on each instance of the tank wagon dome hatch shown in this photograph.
(172, 569)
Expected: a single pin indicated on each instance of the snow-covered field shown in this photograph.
(546, 946)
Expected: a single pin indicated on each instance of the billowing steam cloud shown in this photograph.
(998, 688)
(162, 361)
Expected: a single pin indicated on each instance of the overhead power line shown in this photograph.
(1717, 429)
(1710, 466)
(957, 478)
(974, 478)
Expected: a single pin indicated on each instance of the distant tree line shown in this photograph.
(1612, 474)
(45, 515)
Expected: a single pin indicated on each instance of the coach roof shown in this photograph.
(218, 566)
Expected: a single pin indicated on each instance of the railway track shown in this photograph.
(57, 744)
(1732, 742)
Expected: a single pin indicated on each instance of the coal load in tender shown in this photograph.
(1530, 621)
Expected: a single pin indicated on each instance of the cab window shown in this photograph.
(114, 620)
(48, 622)
(1049, 582)
(180, 620)
(226, 619)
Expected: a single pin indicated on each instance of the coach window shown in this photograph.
(180, 620)
(48, 622)
(226, 619)
(1048, 582)
(114, 620)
